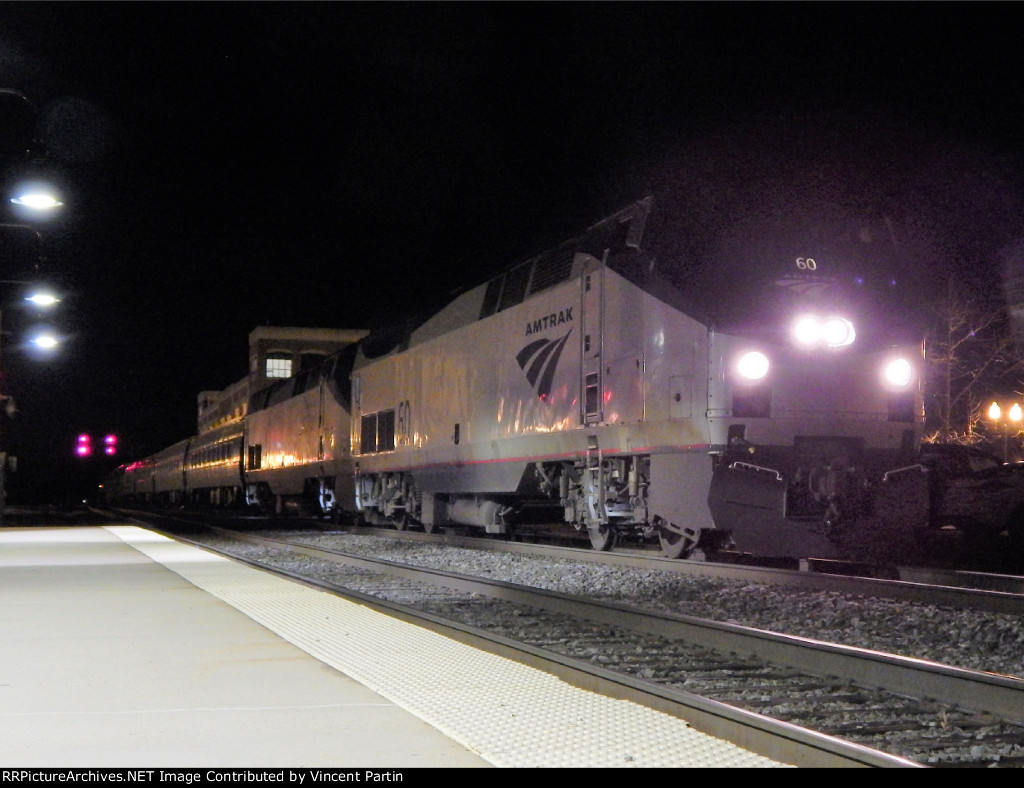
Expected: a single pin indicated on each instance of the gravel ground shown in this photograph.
(968, 639)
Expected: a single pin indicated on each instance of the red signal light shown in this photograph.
(84, 446)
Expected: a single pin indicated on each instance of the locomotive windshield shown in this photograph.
(756, 287)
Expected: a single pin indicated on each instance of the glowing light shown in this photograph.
(753, 365)
(37, 201)
(838, 332)
(898, 372)
(1011, 423)
(43, 299)
(806, 330)
(45, 341)
(833, 331)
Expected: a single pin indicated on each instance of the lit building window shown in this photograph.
(279, 366)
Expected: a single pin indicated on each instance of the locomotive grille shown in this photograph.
(540, 273)
(552, 268)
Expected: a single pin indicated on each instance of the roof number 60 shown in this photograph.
(806, 263)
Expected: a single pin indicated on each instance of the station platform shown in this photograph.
(122, 648)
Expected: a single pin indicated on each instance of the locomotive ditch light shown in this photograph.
(753, 365)
(898, 372)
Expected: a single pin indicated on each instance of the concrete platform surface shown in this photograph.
(122, 648)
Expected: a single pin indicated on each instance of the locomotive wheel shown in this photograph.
(400, 520)
(675, 545)
(602, 538)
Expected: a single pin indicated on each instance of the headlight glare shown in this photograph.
(806, 330)
(837, 332)
(811, 331)
(753, 365)
(898, 372)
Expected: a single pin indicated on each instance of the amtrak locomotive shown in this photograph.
(766, 412)
(773, 405)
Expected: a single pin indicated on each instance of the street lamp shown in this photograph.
(33, 200)
(38, 199)
(1013, 416)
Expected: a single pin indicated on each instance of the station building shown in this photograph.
(275, 353)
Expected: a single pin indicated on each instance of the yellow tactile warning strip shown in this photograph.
(511, 714)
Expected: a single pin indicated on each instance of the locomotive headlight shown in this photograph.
(832, 331)
(898, 372)
(807, 330)
(837, 332)
(753, 365)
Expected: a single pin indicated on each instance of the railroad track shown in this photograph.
(993, 593)
(794, 699)
(969, 590)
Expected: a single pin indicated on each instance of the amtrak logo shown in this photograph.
(539, 360)
(806, 286)
(549, 321)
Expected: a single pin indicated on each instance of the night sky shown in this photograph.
(231, 165)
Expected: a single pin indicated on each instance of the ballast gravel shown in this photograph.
(975, 640)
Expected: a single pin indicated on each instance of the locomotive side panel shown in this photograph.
(464, 404)
(513, 407)
(533, 350)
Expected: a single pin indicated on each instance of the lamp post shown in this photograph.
(1013, 416)
(44, 341)
(32, 201)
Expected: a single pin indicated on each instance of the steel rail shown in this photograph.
(775, 739)
(966, 590)
(969, 689)
(931, 587)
